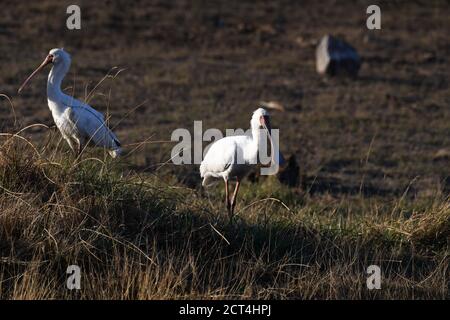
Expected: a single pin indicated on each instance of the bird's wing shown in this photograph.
(73, 102)
(220, 156)
(93, 127)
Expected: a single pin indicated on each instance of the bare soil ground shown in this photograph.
(214, 61)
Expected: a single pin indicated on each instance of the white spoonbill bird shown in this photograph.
(79, 123)
(234, 156)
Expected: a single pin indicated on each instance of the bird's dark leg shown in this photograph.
(79, 149)
(233, 199)
(72, 147)
(227, 198)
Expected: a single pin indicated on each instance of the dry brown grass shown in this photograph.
(136, 236)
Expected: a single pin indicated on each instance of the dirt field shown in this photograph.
(213, 61)
(381, 137)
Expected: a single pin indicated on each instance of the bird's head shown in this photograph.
(261, 119)
(58, 57)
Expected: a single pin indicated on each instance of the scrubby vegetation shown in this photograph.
(136, 236)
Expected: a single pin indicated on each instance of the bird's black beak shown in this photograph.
(265, 123)
(47, 60)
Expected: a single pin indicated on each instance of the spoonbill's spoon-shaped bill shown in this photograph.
(47, 60)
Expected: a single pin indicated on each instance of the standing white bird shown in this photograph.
(78, 122)
(234, 156)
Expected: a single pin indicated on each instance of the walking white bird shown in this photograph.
(234, 156)
(78, 122)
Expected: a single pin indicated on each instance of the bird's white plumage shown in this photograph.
(79, 123)
(221, 159)
(234, 156)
